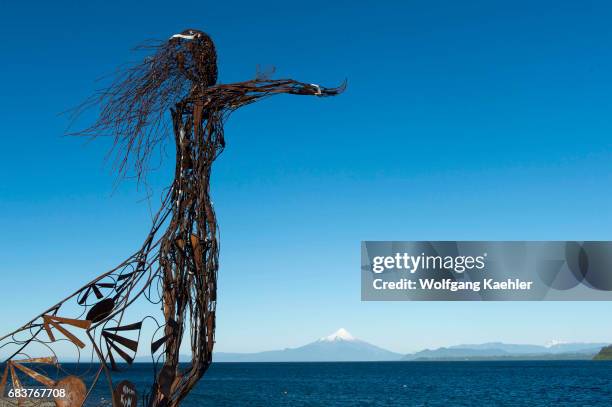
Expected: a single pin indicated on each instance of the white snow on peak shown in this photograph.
(554, 342)
(340, 335)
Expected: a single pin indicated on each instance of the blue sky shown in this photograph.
(479, 120)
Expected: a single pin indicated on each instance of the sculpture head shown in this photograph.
(196, 56)
(134, 108)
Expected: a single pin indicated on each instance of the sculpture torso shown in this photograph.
(189, 247)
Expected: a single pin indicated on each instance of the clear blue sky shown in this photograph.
(462, 120)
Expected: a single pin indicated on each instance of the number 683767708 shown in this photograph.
(36, 393)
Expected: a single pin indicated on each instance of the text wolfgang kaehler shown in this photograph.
(458, 264)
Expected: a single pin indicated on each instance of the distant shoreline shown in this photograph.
(389, 361)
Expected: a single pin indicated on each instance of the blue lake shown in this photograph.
(510, 383)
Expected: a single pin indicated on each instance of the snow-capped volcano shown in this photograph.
(340, 346)
(340, 335)
(554, 342)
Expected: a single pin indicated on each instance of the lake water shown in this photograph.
(512, 383)
(516, 383)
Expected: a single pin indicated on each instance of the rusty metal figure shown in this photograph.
(180, 256)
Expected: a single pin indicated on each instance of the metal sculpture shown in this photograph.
(177, 264)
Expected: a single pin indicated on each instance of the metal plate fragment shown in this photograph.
(101, 310)
(125, 394)
(75, 391)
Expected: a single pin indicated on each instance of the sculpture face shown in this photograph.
(196, 56)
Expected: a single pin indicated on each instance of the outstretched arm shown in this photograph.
(235, 95)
